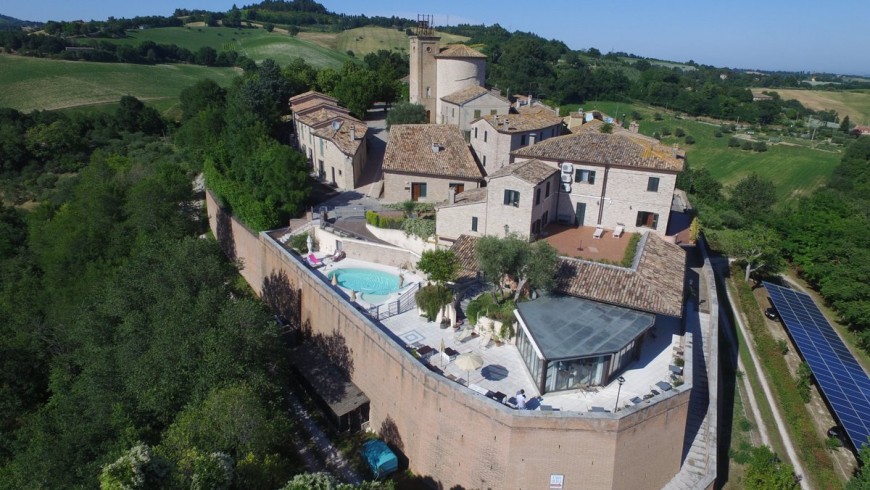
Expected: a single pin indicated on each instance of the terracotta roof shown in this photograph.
(311, 93)
(537, 108)
(410, 149)
(518, 123)
(619, 149)
(468, 94)
(471, 196)
(532, 171)
(317, 115)
(655, 283)
(304, 105)
(459, 51)
(337, 130)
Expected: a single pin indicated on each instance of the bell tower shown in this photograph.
(422, 79)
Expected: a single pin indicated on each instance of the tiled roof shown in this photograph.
(655, 284)
(471, 196)
(459, 51)
(532, 171)
(311, 93)
(410, 149)
(337, 130)
(468, 94)
(316, 116)
(304, 105)
(619, 148)
(518, 123)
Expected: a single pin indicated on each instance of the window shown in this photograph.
(511, 198)
(493, 112)
(537, 196)
(428, 92)
(485, 134)
(321, 146)
(646, 219)
(475, 133)
(547, 190)
(452, 112)
(474, 223)
(653, 184)
(477, 113)
(484, 161)
(587, 176)
(418, 191)
(457, 187)
(524, 140)
(546, 217)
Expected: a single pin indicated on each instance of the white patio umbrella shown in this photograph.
(310, 242)
(469, 362)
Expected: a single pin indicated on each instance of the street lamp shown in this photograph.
(619, 380)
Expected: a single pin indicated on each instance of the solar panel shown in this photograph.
(839, 376)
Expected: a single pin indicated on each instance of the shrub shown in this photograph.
(432, 298)
(760, 146)
(657, 136)
(630, 250)
(717, 133)
(745, 425)
(734, 142)
(833, 443)
(803, 382)
(746, 145)
(636, 115)
(679, 132)
(419, 227)
(479, 306)
(690, 140)
(783, 346)
(657, 116)
(300, 242)
(666, 131)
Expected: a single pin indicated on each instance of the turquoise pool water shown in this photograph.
(372, 286)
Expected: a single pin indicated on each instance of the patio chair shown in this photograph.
(617, 232)
(598, 232)
(314, 261)
(485, 340)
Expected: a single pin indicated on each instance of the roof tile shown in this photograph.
(459, 51)
(532, 171)
(410, 149)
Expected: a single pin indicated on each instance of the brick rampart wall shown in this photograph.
(451, 436)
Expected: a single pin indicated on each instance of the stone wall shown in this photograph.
(397, 186)
(449, 435)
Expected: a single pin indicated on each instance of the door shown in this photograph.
(416, 190)
(321, 172)
(581, 214)
(333, 176)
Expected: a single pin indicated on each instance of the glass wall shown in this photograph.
(575, 373)
(530, 357)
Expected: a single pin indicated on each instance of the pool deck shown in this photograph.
(410, 279)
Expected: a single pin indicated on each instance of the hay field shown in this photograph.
(28, 84)
(855, 104)
(365, 40)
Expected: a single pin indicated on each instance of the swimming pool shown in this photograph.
(372, 285)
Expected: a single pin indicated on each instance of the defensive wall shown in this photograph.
(452, 437)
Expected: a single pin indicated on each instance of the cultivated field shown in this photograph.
(795, 170)
(30, 84)
(255, 43)
(365, 40)
(852, 103)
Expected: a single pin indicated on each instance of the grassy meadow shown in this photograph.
(794, 167)
(365, 40)
(28, 84)
(852, 103)
(257, 44)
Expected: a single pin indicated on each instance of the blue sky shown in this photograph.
(798, 35)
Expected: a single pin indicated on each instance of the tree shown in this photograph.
(139, 468)
(406, 113)
(440, 265)
(759, 247)
(514, 258)
(201, 95)
(753, 197)
(766, 472)
(846, 126)
(861, 480)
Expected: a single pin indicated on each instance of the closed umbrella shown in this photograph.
(469, 362)
(443, 355)
(310, 242)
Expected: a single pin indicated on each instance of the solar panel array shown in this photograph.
(842, 380)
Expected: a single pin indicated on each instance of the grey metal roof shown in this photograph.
(565, 327)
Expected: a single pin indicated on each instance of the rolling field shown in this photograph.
(795, 170)
(257, 44)
(28, 84)
(855, 104)
(365, 40)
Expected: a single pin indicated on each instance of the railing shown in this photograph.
(405, 302)
(346, 211)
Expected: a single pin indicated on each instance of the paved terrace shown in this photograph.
(503, 369)
(577, 242)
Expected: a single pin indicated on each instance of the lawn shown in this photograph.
(852, 103)
(365, 40)
(28, 84)
(795, 170)
(257, 44)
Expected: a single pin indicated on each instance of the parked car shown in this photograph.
(771, 313)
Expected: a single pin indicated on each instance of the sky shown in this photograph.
(793, 35)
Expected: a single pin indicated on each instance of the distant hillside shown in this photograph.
(7, 22)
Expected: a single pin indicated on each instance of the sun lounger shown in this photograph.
(617, 232)
(314, 261)
(598, 232)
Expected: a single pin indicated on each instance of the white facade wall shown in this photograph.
(498, 214)
(454, 74)
(495, 147)
(422, 82)
(397, 186)
(457, 220)
(464, 115)
(347, 169)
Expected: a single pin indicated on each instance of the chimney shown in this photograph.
(451, 196)
(352, 132)
(531, 139)
(633, 127)
(530, 100)
(436, 147)
(675, 150)
(557, 111)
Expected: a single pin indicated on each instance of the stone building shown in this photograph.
(464, 107)
(333, 141)
(494, 137)
(425, 162)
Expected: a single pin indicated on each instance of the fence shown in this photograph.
(404, 303)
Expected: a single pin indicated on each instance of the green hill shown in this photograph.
(29, 84)
(257, 44)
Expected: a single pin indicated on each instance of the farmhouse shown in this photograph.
(494, 137)
(426, 162)
(333, 140)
